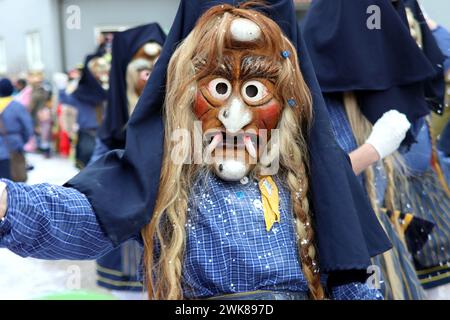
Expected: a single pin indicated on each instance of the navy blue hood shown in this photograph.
(125, 45)
(89, 90)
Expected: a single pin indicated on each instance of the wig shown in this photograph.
(165, 235)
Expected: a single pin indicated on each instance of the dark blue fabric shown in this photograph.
(122, 186)
(384, 67)
(435, 87)
(89, 90)
(5, 169)
(444, 140)
(120, 268)
(125, 45)
(6, 88)
(418, 158)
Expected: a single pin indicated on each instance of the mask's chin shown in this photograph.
(231, 169)
(232, 157)
(230, 162)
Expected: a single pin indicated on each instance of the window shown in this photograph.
(3, 66)
(104, 35)
(34, 51)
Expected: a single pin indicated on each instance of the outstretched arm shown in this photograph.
(49, 222)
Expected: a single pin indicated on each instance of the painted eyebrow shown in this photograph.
(259, 67)
(225, 69)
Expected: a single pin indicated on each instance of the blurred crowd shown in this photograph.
(42, 115)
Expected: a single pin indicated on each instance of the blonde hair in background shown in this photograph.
(414, 27)
(362, 128)
(132, 76)
(166, 229)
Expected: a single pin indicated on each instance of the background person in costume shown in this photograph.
(354, 99)
(38, 102)
(344, 222)
(88, 99)
(441, 124)
(442, 37)
(16, 127)
(427, 194)
(134, 53)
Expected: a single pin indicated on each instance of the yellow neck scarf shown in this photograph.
(270, 201)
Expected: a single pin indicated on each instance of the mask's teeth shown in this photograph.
(250, 147)
(215, 142)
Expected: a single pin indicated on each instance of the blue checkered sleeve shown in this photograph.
(355, 291)
(340, 125)
(51, 222)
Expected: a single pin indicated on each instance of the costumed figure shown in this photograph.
(134, 54)
(88, 100)
(66, 116)
(221, 186)
(442, 37)
(16, 128)
(361, 77)
(426, 193)
(441, 123)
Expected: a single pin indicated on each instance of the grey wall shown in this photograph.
(438, 10)
(94, 14)
(22, 16)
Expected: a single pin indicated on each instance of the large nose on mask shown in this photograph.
(235, 115)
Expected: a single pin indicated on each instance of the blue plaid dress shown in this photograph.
(227, 240)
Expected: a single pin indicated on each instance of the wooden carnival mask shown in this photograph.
(139, 70)
(100, 68)
(238, 102)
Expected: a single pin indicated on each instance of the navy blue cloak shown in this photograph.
(89, 90)
(122, 186)
(435, 87)
(384, 67)
(125, 45)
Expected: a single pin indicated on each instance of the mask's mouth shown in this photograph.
(233, 155)
(224, 140)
